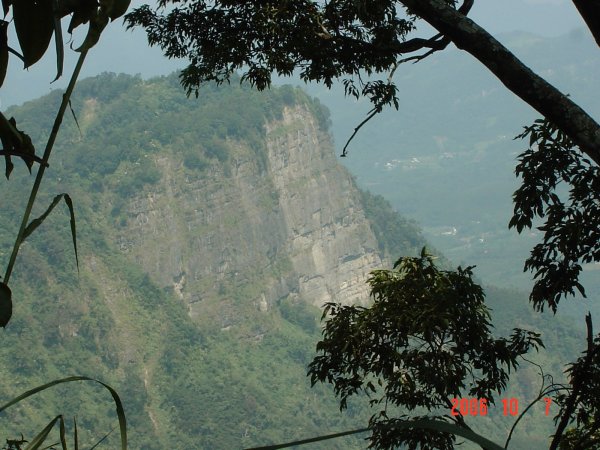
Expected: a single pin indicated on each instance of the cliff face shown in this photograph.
(328, 239)
(289, 225)
(207, 229)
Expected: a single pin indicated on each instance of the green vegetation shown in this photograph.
(233, 377)
(332, 40)
(230, 376)
(395, 234)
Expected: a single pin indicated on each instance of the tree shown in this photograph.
(425, 342)
(341, 38)
(359, 41)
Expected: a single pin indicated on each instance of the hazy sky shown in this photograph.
(127, 51)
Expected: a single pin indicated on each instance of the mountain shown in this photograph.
(209, 232)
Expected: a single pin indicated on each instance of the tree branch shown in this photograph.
(589, 10)
(522, 81)
(572, 400)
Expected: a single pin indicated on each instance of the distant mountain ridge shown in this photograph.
(446, 159)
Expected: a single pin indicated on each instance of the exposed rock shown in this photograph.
(291, 224)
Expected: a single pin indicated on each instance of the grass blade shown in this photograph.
(113, 393)
(37, 222)
(75, 437)
(42, 435)
(102, 440)
(63, 437)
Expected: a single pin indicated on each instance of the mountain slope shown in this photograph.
(446, 158)
(208, 229)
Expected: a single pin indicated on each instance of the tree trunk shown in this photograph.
(590, 11)
(515, 75)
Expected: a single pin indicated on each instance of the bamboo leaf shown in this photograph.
(115, 8)
(6, 6)
(3, 50)
(97, 24)
(118, 404)
(60, 53)
(310, 440)
(16, 143)
(5, 304)
(34, 24)
(37, 222)
(42, 435)
(69, 203)
(430, 424)
(83, 12)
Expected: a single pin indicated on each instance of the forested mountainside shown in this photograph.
(209, 232)
(208, 228)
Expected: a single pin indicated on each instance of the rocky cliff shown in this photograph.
(208, 231)
(291, 226)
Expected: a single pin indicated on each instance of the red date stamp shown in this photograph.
(479, 406)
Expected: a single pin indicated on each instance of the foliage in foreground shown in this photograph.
(424, 341)
(43, 435)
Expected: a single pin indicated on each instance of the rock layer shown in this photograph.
(256, 228)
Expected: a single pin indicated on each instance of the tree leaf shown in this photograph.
(3, 50)
(34, 23)
(5, 304)
(113, 393)
(37, 222)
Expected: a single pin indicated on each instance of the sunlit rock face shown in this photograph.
(259, 228)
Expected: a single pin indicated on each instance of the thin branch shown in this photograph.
(541, 395)
(435, 43)
(512, 429)
(576, 383)
(373, 113)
